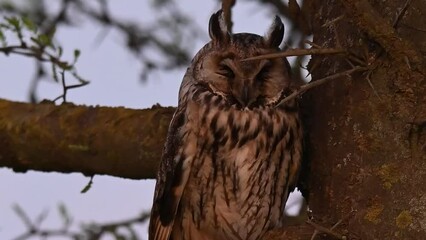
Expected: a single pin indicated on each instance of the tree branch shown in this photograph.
(91, 140)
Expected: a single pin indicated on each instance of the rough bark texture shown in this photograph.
(91, 140)
(366, 141)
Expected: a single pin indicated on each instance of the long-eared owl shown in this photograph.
(233, 152)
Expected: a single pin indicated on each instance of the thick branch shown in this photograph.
(91, 140)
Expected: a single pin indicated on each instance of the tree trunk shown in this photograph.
(366, 134)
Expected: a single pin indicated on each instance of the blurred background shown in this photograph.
(134, 53)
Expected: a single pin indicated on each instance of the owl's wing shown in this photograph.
(171, 180)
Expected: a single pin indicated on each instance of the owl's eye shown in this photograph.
(263, 73)
(225, 71)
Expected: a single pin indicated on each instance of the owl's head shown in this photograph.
(248, 84)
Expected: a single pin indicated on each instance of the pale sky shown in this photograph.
(114, 76)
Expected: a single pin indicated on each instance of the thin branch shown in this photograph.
(343, 219)
(325, 230)
(109, 226)
(23, 216)
(87, 231)
(298, 52)
(333, 21)
(372, 86)
(401, 14)
(413, 28)
(318, 82)
(335, 225)
(65, 87)
(48, 233)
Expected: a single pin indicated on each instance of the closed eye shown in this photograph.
(263, 73)
(225, 71)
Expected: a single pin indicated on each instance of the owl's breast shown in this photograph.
(241, 165)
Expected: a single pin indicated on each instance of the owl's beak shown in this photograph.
(243, 96)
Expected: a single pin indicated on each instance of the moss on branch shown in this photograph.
(93, 140)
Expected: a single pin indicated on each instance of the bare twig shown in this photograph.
(66, 87)
(318, 82)
(298, 52)
(401, 14)
(335, 225)
(110, 226)
(23, 216)
(88, 231)
(331, 22)
(372, 86)
(325, 230)
(49, 233)
(314, 45)
(414, 28)
(343, 219)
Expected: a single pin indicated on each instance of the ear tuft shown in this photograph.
(275, 34)
(218, 30)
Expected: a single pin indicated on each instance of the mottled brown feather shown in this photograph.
(232, 153)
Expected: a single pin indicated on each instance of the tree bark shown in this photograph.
(92, 140)
(366, 135)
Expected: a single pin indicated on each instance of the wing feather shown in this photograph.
(171, 180)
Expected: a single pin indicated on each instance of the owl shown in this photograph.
(233, 152)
